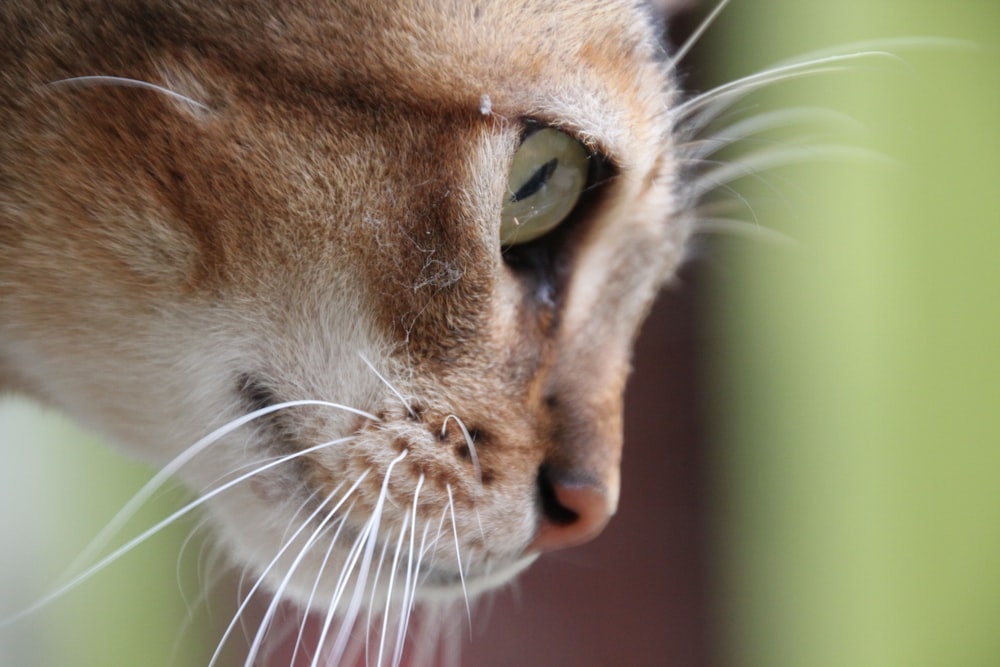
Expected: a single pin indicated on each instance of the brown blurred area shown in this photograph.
(637, 595)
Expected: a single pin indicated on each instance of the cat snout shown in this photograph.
(572, 512)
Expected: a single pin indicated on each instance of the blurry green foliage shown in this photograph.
(855, 393)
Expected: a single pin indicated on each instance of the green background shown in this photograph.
(855, 394)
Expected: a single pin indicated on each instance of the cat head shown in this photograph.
(414, 239)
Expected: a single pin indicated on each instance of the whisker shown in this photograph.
(246, 599)
(410, 576)
(705, 146)
(710, 103)
(411, 595)
(241, 593)
(302, 507)
(406, 404)
(392, 581)
(887, 45)
(277, 635)
(276, 598)
(371, 601)
(156, 528)
(167, 472)
(190, 605)
(238, 615)
(778, 156)
(178, 574)
(451, 649)
(458, 556)
(212, 570)
(735, 194)
(737, 227)
(697, 112)
(479, 520)
(681, 52)
(124, 82)
(372, 537)
(425, 646)
(469, 441)
(342, 580)
(322, 570)
(440, 530)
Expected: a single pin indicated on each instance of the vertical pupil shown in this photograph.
(536, 182)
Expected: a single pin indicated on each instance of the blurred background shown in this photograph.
(812, 466)
(855, 379)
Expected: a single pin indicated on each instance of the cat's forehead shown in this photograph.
(592, 67)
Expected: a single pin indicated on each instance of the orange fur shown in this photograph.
(332, 190)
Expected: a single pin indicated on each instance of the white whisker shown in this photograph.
(371, 601)
(277, 596)
(440, 530)
(458, 556)
(246, 598)
(709, 104)
(479, 520)
(760, 123)
(736, 195)
(406, 404)
(697, 112)
(390, 587)
(890, 46)
(681, 52)
(778, 156)
(737, 227)
(212, 571)
(125, 82)
(469, 441)
(302, 507)
(371, 537)
(320, 573)
(165, 474)
(156, 528)
(342, 580)
(411, 596)
(427, 641)
(178, 574)
(190, 606)
(238, 615)
(410, 577)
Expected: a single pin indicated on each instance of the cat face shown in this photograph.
(309, 208)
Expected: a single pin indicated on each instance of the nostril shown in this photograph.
(571, 513)
(552, 510)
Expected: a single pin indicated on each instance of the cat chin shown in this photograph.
(447, 586)
(434, 585)
(436, 588)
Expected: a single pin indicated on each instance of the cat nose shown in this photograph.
(572, 513)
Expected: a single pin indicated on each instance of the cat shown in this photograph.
(409, 243)
(365, 276)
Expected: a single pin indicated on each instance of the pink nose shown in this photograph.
(571, 514)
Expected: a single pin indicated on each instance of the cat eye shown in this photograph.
(547, 176)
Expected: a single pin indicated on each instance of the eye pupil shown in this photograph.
(536, 182)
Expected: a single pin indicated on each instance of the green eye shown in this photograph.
(547, 176)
